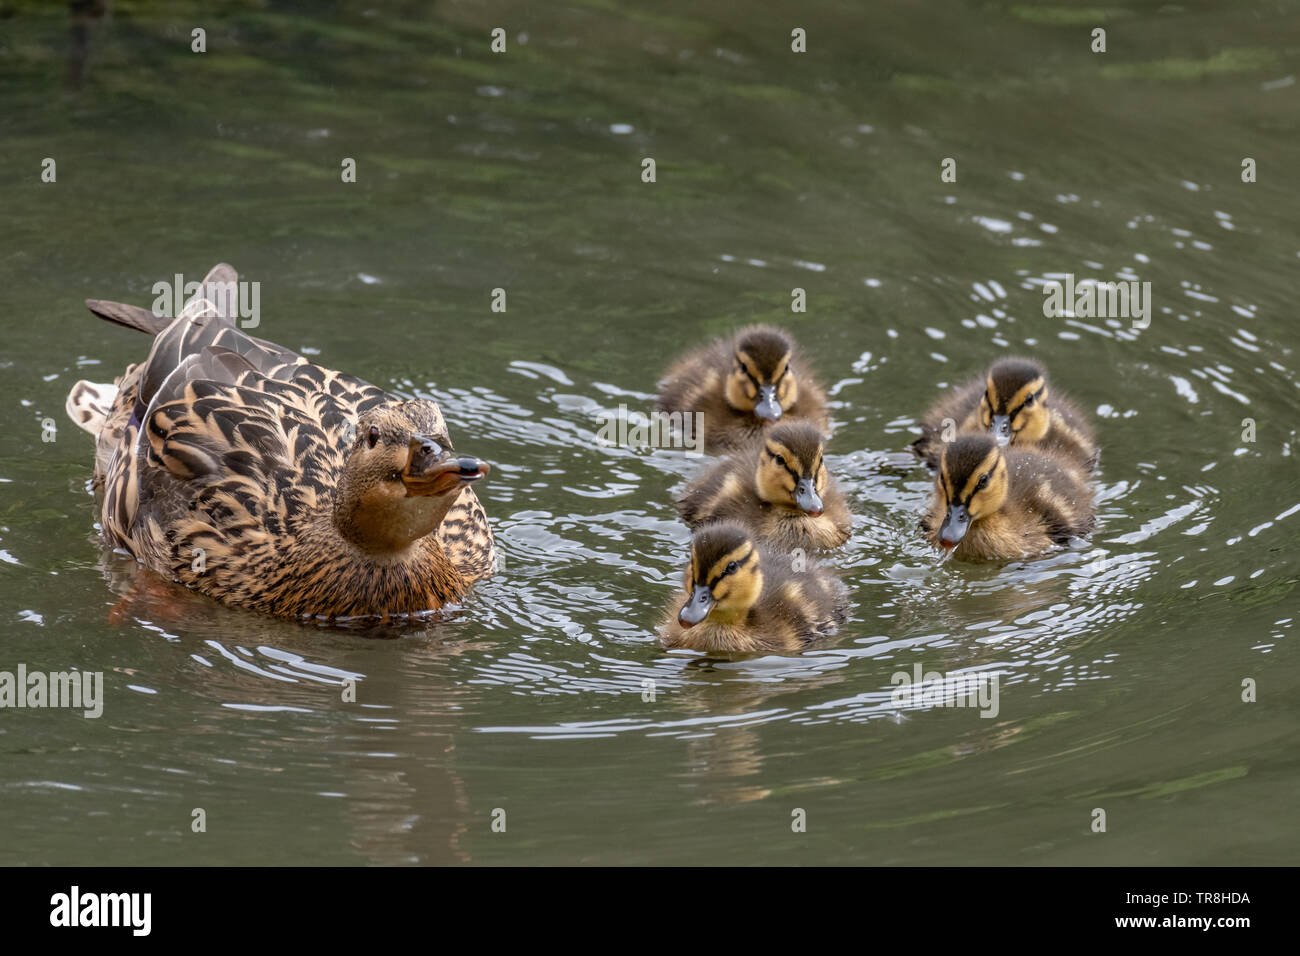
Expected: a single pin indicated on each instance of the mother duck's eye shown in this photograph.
(373, 437)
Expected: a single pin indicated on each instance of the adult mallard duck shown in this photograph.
(739, 598)
(742, 384)
(1011, 402)
(268, 482)
(779, 488)
(993, 503)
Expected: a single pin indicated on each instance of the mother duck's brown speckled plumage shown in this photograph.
(268, 482)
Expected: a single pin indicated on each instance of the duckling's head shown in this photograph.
(400, 477)
(761, 382)
(724, 579)
(790, 468)
(973, 480)
(1014, 406)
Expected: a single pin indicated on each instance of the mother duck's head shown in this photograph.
(400, 477)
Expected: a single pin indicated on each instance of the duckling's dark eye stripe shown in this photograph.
(986, 467)
(979, 486)
(740, 562)
(1021, 407)
(784, 455)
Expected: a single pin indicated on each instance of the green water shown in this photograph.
(1121, 665)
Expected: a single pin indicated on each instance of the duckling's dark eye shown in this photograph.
(1030, 400)
(731, 567)
(373, 437)
(983, 483)
(780, 461)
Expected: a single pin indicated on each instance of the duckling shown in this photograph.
(780, 489)
(993, 503)
(246, 472)
(1012, 403)
(744, 599)
(743, 384)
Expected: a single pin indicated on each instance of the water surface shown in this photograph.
(1121, 664)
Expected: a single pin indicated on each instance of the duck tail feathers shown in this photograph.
(89, 404)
